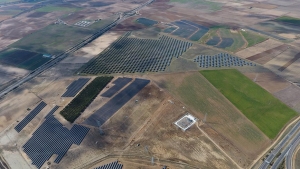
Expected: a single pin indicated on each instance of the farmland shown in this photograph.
(22, 58)
(213, 6)
(53, 39)
(259, 106)
(289, 20)
(51, 8)
(84, 98)
(253, 38)
(240, 138)
(146, 22)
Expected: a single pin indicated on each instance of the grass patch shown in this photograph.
(288, 19)
(253, 38)
(214, 6)
(52, 8)
(238, 40)
(259, 106)
(146, 21)
(84, 98)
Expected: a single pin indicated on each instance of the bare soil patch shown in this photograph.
(259, 48)
(282, 68)
(268, 55)
(86, 53)
(269, 81)
(290, 96)
(262, 5)
(228, 127)
(16, 102)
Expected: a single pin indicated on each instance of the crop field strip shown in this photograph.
(262, 108)
(282, 68)
(52, 138)
(268, 55)
(114, 104)
(112, 165)
(118, 84)
(84, 98)
(146, 21)
(137, 55)
(30, 116)
(221, 60)
(75, 87)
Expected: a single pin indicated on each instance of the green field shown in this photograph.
(290, 20)
(22, 58)
(237, 38)
(253, 38)
(214, 6)
(259, 106)
(84, 98)
(52, 8)
(52, 39)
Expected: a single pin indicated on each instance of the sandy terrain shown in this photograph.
(259, 48)
(8, 73)
(18, 105)
(86, 53)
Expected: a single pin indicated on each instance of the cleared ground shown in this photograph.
(228, 127)
(265, 111)
(143, 129)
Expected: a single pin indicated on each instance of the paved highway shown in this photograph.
(63, 55)
(280, 145)
(289, 157)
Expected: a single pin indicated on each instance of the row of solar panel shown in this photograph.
(30, 116)
(221, 60)
(75, 87)
(118, 84)
(52, 138)
(113, 165)
(114, 104)
(137, 55)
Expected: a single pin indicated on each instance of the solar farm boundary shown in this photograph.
(144, 158)
(116, 103)
(50, 138)
(27, 119)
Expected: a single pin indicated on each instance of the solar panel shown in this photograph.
(119, 84)
(75, 87)
(52, 138)
(30, 116)
(113, 165)
(114, 104)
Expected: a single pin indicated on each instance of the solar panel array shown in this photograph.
(119, 84)
(113, 165)
(114, 104)
(30, 116)
(137, 55)
(52, 138)
(75, 87)
(220, 60)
